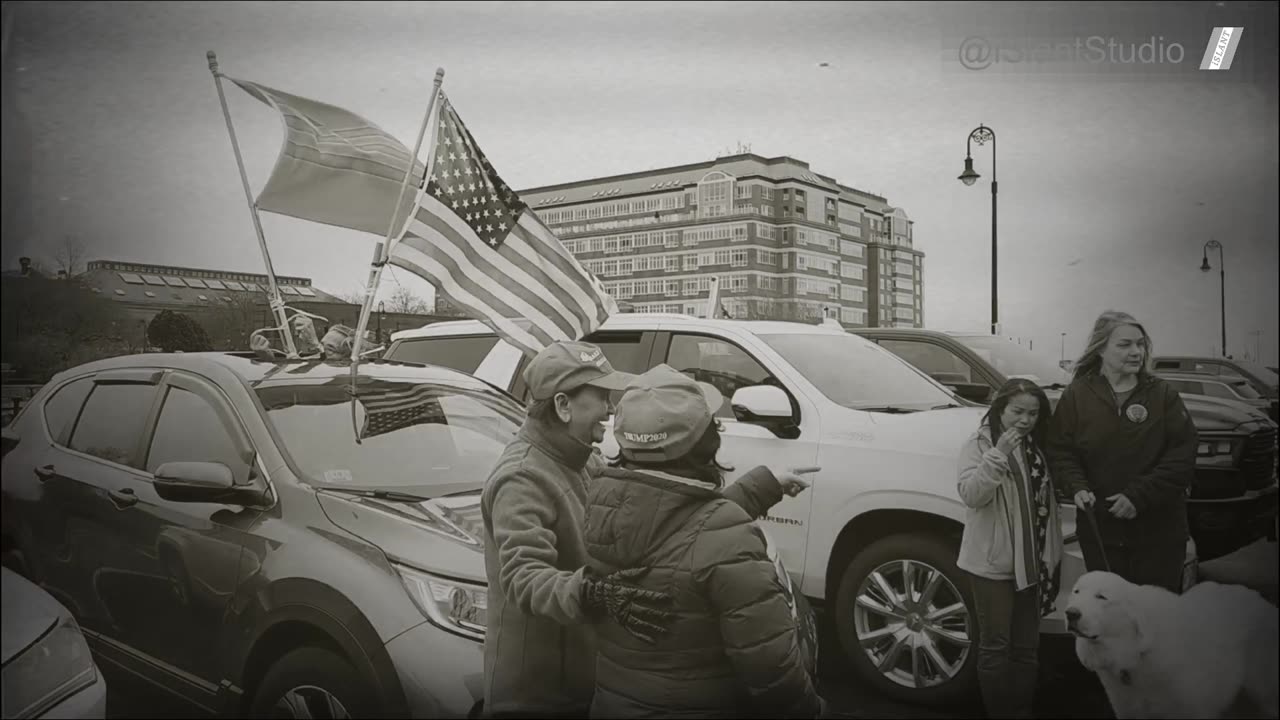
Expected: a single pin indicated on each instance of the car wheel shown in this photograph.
(312, 682)
(904, 614)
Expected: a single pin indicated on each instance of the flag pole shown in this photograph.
(383, 250)
(277, 304)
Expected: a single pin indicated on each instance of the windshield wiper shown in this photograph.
(889, 409)
(948, 406)
(1053, 386)
(392, 495)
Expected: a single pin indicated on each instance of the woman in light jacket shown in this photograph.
(1012, 544)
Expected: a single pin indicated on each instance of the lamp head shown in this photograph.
(1204, 264)
(968, 177)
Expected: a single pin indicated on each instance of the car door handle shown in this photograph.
(45, 472)
(123, 498)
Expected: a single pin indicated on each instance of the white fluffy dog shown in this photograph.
(1209, 653)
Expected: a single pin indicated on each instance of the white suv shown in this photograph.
(875, 539)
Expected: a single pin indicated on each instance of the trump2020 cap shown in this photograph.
(662, 415)
(565, 366)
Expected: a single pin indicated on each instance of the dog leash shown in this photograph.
(1097, 534)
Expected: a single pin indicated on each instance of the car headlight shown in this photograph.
(456, 606)
(57, 666)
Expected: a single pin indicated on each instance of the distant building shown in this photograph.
(785, 242)
(145, 290)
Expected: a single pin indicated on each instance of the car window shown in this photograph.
(1210, 368)
(1245, 390)
(1167, 365)
(718, 362)
(936, 361)
(62, 408)
(112, 421)
(189, 430)
(458, 353)
(1219, 391)
(625, 354)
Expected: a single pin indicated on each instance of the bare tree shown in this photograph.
(355, 297)
(403, 300)
(70, 256)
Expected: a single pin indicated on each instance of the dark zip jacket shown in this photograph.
(1144, 449)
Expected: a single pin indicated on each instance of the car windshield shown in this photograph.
(1014, 360)
(857, 373)
(1266, 375)
(1245, 390)
(421, 437)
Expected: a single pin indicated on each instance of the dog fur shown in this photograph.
(1209, 653)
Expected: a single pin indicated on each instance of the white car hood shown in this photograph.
(940, 433)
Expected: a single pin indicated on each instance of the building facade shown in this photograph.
(786, 243)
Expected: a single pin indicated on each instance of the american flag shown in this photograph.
(394, 406)
(488, 253)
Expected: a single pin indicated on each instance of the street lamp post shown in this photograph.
(382, 310)
(1222, 277)
(981, 135)
(1062, 355)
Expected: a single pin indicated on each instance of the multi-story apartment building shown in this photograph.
(785, 242)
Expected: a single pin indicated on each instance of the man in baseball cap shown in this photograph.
(539, 657)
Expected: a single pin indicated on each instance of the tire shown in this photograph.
(953, 635)
(313, 676)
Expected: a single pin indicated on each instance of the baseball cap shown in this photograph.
(564, 366)
(662, 415)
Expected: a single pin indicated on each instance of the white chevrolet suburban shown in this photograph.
(874, 541)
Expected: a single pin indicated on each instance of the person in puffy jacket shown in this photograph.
(1012, 543)
(1124, 446)
(734, 646)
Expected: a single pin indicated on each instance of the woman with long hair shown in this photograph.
(734, 648)
(1124, 446)
(1012, 543)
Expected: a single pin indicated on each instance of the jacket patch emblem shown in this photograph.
(589, 357)
(1137, 413)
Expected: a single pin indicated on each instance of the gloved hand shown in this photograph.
(637, 610)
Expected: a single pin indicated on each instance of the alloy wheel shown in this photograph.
(912, 624)
(308, 701)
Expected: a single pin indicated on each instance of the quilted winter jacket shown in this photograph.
(733, 649)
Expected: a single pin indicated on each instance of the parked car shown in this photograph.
(1224, 387)
(48, 669)
(1264, 379)
(874, 540)
(1233, 501)
(269, 538)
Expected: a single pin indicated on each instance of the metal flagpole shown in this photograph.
(383, 249)
(277, 304)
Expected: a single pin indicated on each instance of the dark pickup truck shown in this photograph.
(1233, 501)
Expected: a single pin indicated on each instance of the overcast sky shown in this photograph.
(1112, 175)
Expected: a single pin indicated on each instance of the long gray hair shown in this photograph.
(1090, 362)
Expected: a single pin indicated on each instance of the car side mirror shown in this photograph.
(207, 482)
(761, 403)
